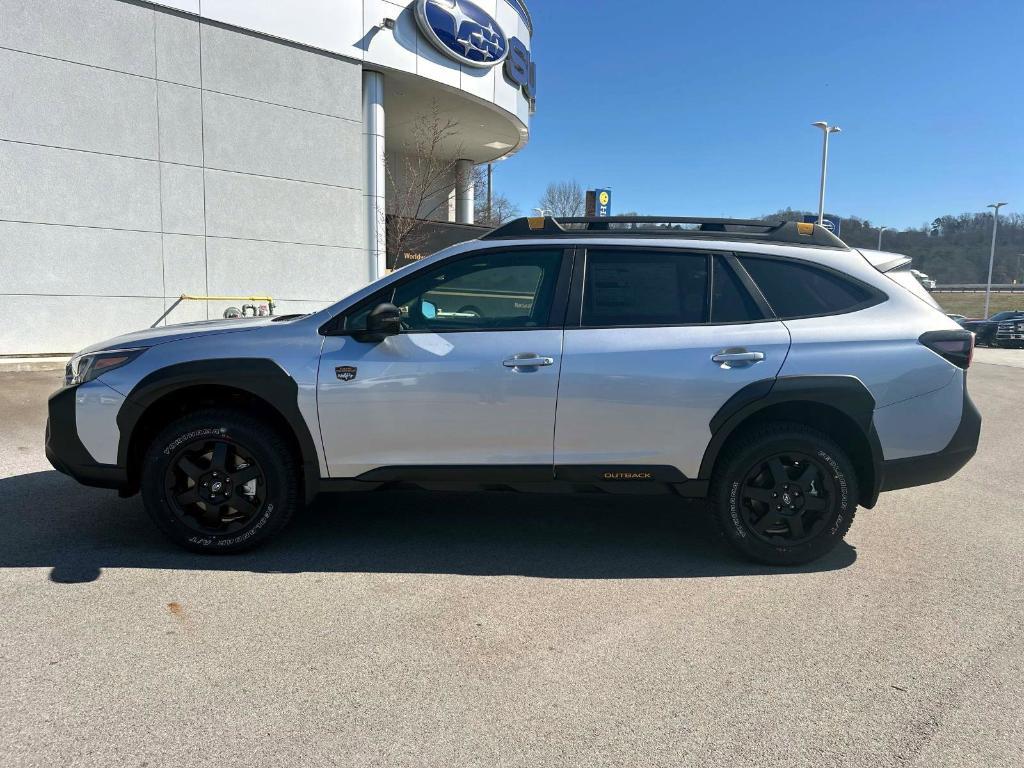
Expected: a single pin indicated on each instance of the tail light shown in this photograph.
(955, 346)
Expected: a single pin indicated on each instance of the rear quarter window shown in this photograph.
(803, 290)
(905, 278)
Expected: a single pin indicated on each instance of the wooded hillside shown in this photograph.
(953, 249)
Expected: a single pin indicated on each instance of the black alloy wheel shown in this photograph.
(215, 486)
(786, 498)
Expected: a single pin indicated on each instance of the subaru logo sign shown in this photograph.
(832, 225)
(462, 31)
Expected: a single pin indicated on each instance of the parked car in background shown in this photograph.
(1003, 329)
(956, 318)
(922, 278)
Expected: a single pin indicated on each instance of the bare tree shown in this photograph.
(501, 208)
(564, 198)
(419, 178)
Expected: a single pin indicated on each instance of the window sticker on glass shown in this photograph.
(622, 289)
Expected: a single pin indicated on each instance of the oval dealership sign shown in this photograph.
(463, 31)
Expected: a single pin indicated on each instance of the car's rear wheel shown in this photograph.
(784, 494)
(219, 481)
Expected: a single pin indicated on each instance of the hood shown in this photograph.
(150, 337)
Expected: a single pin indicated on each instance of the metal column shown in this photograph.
(375, 172)
(464, 192)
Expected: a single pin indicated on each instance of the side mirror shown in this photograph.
(384, 320)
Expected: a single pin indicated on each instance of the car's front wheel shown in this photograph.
(784, 494)
(219, 481)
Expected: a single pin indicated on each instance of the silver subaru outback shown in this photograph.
(767, 367)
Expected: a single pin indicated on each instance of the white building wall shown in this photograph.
(143, 155)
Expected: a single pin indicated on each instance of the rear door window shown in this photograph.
(626, 287)
(803, 290)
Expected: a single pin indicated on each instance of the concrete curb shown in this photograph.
(24, 364)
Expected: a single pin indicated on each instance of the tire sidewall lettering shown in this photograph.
(734, 509)
(193, 435)
(842, 486)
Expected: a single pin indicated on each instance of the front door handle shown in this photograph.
(527, 360)
(728, 356)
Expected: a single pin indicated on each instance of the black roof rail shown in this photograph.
(687, 227)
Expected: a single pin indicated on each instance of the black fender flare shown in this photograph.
(260, 377)
(846, 394)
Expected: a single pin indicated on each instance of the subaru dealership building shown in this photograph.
(230, 147)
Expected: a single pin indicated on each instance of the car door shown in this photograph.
(470, 381)
(656, 341)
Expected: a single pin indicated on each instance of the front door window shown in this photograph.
(491, 291)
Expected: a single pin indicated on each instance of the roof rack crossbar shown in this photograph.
(662, 220)
(778, 231)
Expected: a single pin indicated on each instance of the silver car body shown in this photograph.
(620, 396)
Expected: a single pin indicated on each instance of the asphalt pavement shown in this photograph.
(416, 629)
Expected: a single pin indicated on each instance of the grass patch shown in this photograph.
(973, 304)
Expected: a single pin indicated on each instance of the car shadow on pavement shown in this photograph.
(50, 521)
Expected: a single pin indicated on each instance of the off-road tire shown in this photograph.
(738, 516)
(248, 443)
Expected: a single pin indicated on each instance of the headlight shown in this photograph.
(86, 367)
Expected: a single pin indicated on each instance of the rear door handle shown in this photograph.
(737, 356)
(527, 360)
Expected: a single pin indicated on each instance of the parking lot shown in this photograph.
(410, 629)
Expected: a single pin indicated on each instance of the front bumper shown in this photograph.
(935, 467)
(64, 449)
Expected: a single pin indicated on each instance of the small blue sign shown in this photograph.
(832, 225)
(602, 202)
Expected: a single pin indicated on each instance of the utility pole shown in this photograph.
(992, 255)
(826, 129)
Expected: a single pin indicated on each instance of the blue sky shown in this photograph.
(704, 108)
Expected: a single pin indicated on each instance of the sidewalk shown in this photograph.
(1014, 358)
(33, 363)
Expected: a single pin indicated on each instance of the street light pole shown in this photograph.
(880, 231)
(826, 129)
(992, 255)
